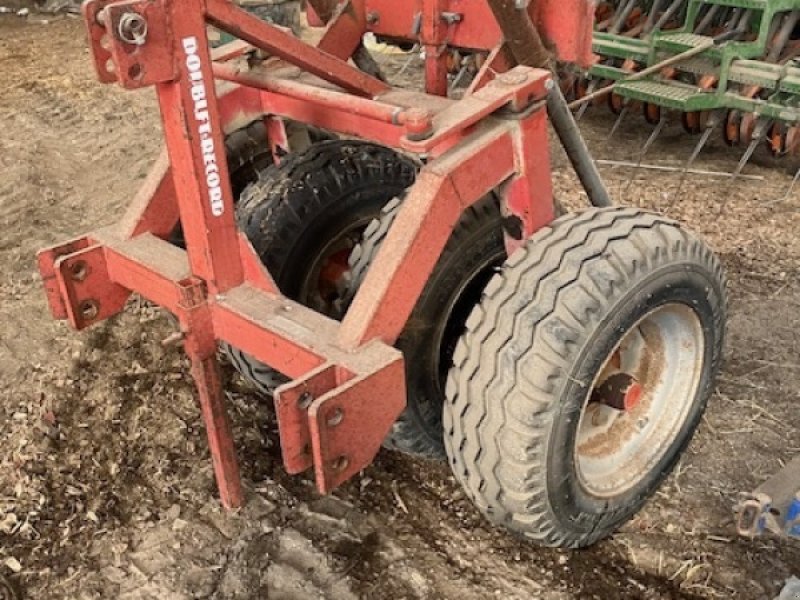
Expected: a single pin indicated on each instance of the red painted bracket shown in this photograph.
(349, 424)
(517, 90)
(292, 402)
(336, 421)
(131, 42)
(78, 285)
(46, 259)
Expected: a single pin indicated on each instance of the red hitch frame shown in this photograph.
(348, 383)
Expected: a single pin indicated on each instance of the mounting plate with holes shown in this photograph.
(140, 36)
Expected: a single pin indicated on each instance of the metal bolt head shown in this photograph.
(335, 417)
(521, 4)
(132, 29)
(89, 309)
(305, 400)
(549, 84)
(512, 79)
(78, 270)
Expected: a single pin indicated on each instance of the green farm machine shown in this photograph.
(724, 65)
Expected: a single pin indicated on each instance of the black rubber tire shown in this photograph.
(545, 325)
(248, 154)
(473, 253)
(294, 210)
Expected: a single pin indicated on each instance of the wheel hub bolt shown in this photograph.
(620, 391)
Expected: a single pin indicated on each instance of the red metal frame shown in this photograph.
(348, 384)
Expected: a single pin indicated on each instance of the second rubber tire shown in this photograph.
(298, 211)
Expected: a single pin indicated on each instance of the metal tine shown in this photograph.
(585, 105)
(788, 193)
(758, 134)
(707, 19)
(457, 80)
(655, 133)
(667, 15)
(622, 114)
(651, 17)
(619, 19)
(712, 123)
(411, 56)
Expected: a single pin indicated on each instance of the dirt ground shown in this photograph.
(106, 488)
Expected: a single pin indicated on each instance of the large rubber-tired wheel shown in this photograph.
(304, 217)
(472, 255)
(583, 373)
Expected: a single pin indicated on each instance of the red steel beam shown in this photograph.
(324, 98)
(227, 17)
(418, 235)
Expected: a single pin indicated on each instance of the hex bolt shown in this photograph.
(373, 17)
(452, 18)
(335, 417)
(418, 123)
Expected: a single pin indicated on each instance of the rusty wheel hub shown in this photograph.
(639, 401)
(325, 287)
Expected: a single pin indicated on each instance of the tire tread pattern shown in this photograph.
(554, 291)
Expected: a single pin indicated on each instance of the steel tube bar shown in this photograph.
(371, 109)
(527, 48)
(231, 19)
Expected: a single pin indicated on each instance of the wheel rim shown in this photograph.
(639, 400)
(326, 283)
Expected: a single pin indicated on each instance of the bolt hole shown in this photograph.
(340, 464)
(79, 270)
(89, 309)
(335, 417)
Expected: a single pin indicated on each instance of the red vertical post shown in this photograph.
(434, 35)
(193, 132)
(205, 372)
(201, 347)
(529, 194)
